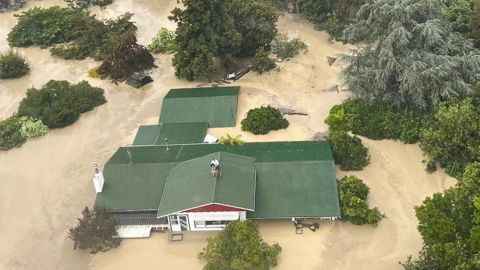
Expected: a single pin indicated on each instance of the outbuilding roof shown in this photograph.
(215, 105)
(175, 133)
(191, 184)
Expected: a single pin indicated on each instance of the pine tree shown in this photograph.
(409, 55)
(95, 231)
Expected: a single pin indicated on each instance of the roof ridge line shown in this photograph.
(216, 182)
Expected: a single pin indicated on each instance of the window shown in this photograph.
(199, 224)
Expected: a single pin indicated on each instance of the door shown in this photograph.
(179, 223)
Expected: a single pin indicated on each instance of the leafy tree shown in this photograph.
(59, 103)
(377, 121)
(12, 65)
(348, 151)
(449, 225)
(284, 47)
(46, 27)
(475, 23)
(210, 31)
(410, 57)
(255, 21)
(453, 138)
(80, 34)
(459, 13)
(261, 62)
(163, 42)
(10, 135)
(239, 246)
(230, 140)
(264, 119)
(353, 195)
(95, 231)
(126, 57)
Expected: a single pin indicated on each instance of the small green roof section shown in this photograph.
(215, 105)
(296, 189)
(176, 133)
(191, 184)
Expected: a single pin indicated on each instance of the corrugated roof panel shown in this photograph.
(176, 133)
(296, 189)
(191, 183)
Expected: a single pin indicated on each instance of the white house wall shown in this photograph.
(136, 231)
(213, 216)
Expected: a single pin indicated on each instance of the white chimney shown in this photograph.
(98, 179)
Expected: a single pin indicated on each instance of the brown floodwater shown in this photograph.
(46, 183)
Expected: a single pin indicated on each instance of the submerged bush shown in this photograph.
(376, 121)
(59, 103)
(80, 34)
(261, 62)
(10, 136)
(287, 48)
(163, 42)
(264, 119)
(31, 127)
(12, 65)
(353, 202)
(348, 151)
(125, 58)
(231, 140)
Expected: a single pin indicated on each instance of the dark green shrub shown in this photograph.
(261, 62)
(163, 42)
(348, 151)
(287, 48)
(334, 26)
(353, 195)
(59, 103)
(12, 65)
(79, 33)
(376, 121)
(10, 136)
(46, 27)
(431, 166)
(262, 120)
(95, 231)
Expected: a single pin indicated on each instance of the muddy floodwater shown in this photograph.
(46, 183)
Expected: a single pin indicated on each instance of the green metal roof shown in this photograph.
(176, 133)
(203, 92)
(294, 179)
(191, 184)
(296, 189)
(261, 151)
(215, 105)
(133, 187)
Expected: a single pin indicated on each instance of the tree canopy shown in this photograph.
(239, 247)
(410, 56)
(449, 224)
(210, 31)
